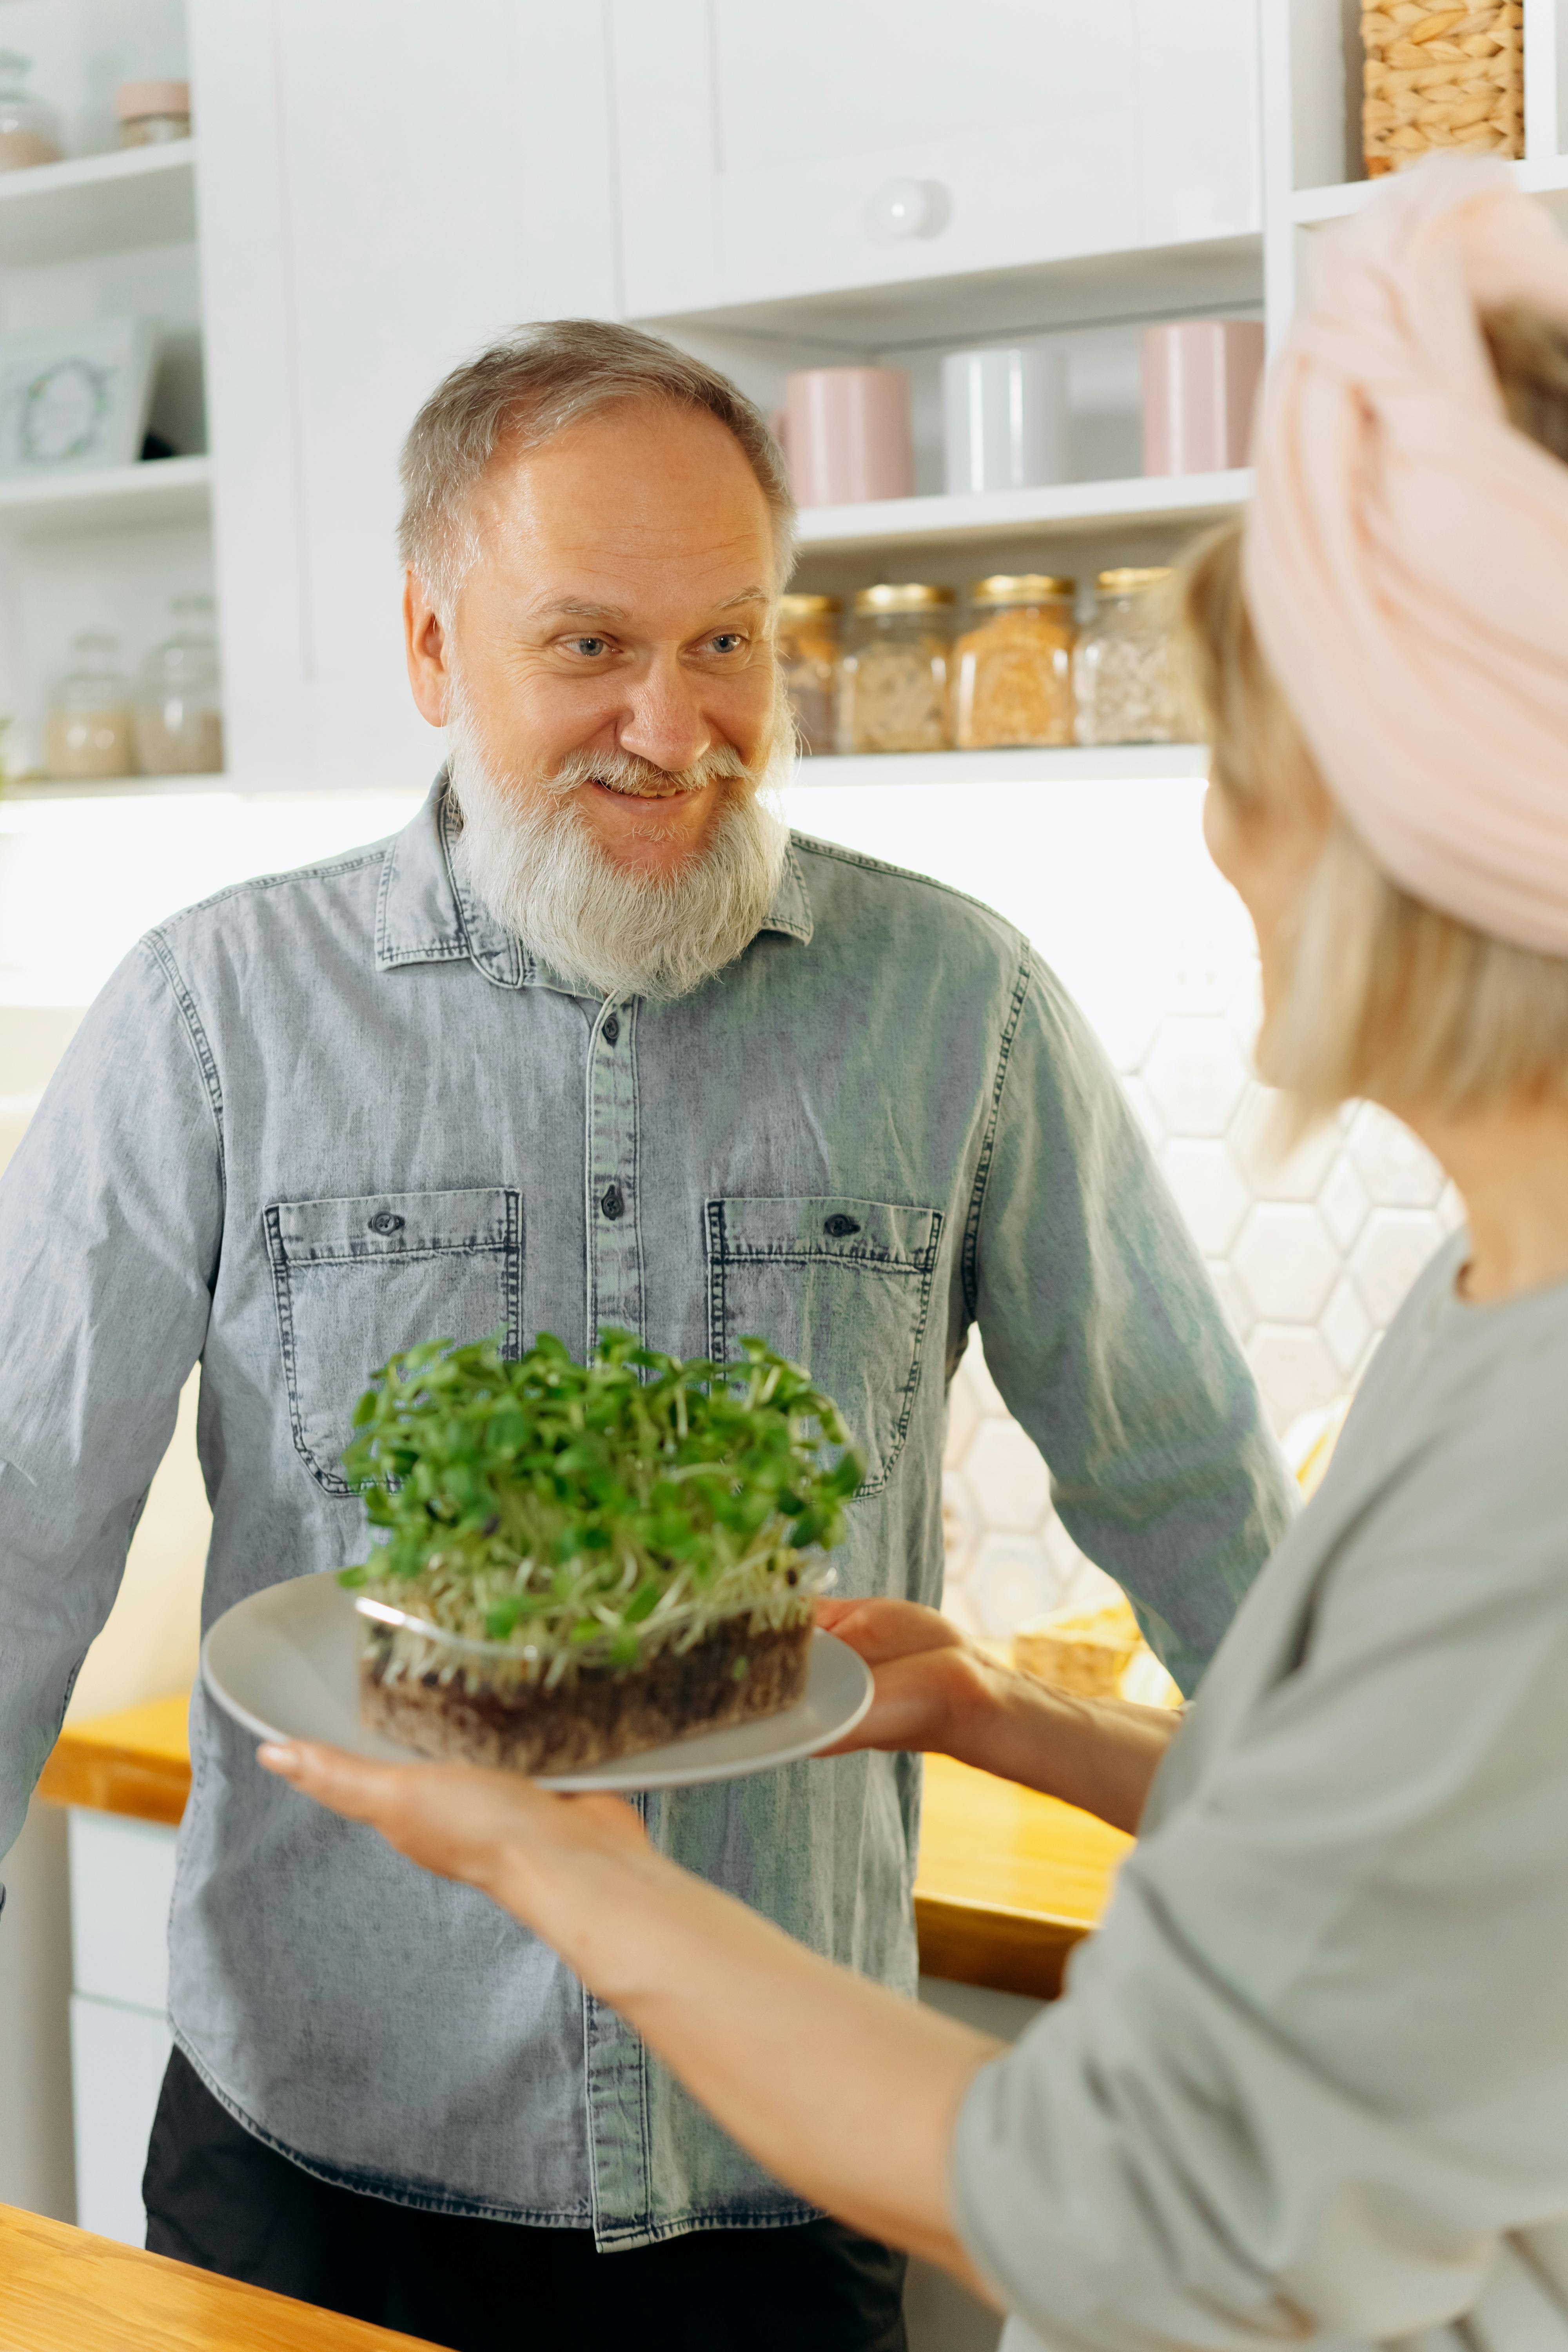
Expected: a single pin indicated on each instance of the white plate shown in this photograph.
(285, 1663)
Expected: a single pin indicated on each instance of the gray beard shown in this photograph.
(608, 930)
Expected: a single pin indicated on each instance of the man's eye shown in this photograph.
(588, 645)
(728, 641)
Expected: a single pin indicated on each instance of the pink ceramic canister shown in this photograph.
(1200, 385)
(846, 435)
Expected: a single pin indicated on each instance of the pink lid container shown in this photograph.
(134, 98)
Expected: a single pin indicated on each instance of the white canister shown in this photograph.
(1004, 418)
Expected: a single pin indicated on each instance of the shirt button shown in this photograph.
(611, 1202)
(387, 1221)
(611, 1030)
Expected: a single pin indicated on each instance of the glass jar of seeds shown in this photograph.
(177, 724)
(1124, 669)
(1013, 670)
(808, 658)
(893, 681)
(87, 728)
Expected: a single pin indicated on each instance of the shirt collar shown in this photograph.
(427, 915)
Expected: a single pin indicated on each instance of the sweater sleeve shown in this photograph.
(1106, 1339)
(111, 1217)
(1308, 2081)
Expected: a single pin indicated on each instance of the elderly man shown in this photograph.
(593, 1041)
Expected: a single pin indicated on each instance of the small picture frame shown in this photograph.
(72, 400)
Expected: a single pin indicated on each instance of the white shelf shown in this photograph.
(1068, 763)
(1061, 507)
(50, 788)
(99, 203)
(1076, 289)
(1309, 207)
(160, 490)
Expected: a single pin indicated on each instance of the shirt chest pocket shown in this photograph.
(356, 1280)
(842, 1286)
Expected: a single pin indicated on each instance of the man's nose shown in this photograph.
(665, 722)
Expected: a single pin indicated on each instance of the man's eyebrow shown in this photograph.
(577, 609)
(571, 608)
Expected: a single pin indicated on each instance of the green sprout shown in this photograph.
(591, 1513)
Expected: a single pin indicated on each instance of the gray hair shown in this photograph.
(530, 386)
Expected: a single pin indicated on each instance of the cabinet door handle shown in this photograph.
(904, 208)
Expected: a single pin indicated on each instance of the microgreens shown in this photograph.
(593, 1510)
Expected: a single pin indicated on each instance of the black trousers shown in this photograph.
(222, 2200)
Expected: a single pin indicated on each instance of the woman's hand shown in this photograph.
(845, 2092)
(555, 1863)
(931, 1684)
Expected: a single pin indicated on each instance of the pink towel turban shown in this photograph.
(1406, 552)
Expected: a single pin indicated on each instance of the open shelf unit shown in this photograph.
(1312, 170)
(100, 237)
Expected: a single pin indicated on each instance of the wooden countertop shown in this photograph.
(62, 2290)
(1009, 1881)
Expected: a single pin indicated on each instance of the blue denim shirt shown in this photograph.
(883, 1123)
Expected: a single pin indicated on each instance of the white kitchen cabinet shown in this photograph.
(760, 153)
(118, 2057)
(361, 202)
(122, 1879)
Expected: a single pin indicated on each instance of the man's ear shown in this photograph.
(425, 645)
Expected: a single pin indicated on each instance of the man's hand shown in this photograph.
(930, 1679)
(938, 1691)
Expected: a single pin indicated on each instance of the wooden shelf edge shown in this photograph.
(116, 1781)
(982, 1944)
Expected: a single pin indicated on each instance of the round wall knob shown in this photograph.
(903, 208)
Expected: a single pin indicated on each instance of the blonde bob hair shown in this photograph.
(1386, 997)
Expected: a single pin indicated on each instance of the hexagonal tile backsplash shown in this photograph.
(1312, 1252)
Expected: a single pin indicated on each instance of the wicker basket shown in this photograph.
(1083, 1651)
(1442, 77)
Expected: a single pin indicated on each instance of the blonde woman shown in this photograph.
(1309, 2082)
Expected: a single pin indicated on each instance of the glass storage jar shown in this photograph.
(808, 658)
(86, 728)
(1012, 672)
(893, 680)
(1124, 669)
(151, 113)
(177, 722)
(29, 134)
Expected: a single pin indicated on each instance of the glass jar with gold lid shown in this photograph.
(893, 682)
(807, 644)
(1125, 672)
(1013, 670)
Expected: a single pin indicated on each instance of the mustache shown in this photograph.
(626, 772)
